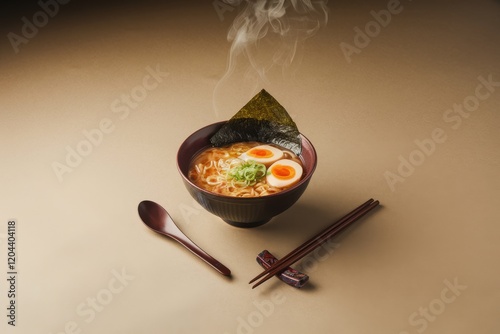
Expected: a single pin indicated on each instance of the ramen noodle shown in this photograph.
(246, 169)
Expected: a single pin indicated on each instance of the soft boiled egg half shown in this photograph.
(264, 154)
(283, 173)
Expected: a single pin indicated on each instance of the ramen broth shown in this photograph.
(231, 171)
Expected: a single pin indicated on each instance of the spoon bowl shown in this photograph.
(157, 219)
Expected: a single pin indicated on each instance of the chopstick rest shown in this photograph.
(290, 276)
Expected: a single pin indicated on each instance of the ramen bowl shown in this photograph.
(241, 211)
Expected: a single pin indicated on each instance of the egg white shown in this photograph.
(281, 183)
(276, 155)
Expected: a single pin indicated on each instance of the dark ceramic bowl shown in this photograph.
(237, 211)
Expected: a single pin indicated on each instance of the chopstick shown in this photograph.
(316, 241)
(311, 241)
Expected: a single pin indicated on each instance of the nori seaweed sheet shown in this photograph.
(262, 119)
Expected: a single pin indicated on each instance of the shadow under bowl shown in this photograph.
(241, 211)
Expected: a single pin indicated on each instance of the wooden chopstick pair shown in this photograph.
(315, 241)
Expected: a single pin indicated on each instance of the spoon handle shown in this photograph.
(177, 234)
(195, 249)
(157, 219)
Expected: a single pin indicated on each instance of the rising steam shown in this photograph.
(268, 35)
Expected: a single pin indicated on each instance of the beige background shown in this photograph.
(389, 274)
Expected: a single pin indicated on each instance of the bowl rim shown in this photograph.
(258, 198)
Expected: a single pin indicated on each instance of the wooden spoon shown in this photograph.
(157, 218)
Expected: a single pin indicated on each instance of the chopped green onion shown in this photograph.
(247, 173)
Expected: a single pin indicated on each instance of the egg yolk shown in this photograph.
(283, 172)
(260, 153)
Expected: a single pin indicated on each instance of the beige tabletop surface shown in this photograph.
(401, 100)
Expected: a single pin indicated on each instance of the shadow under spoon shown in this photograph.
(157, 219)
